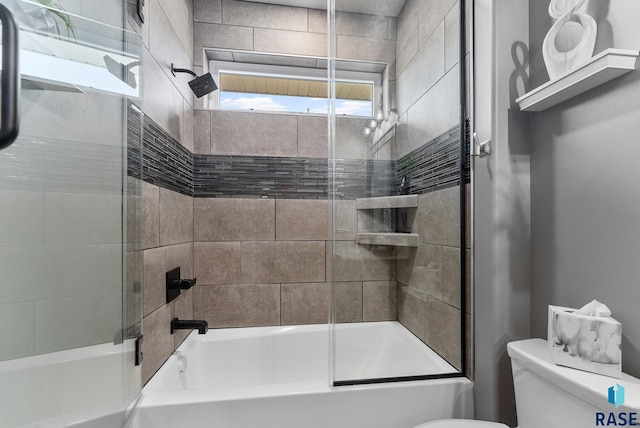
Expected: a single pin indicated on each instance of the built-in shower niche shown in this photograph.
(388, 220)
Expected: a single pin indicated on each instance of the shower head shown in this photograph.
(203, 85)
(200, 85)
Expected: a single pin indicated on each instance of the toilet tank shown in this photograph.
(552, 396)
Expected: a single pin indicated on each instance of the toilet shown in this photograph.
(548, 395)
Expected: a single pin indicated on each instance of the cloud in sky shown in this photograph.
(252, 103)
(353, 108)
(239, 101)
(347, 108)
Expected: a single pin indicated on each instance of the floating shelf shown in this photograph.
(395, 239)
(402, 201)
(603, 67)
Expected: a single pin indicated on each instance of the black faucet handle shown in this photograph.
(181, 284)
(174, 283)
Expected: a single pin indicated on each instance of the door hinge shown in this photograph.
(139, 354)
(141, 10)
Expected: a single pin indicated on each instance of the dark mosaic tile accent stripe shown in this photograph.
(289, 178)
(435, 165)
(155, 157)
(161, 160)
(134, 141)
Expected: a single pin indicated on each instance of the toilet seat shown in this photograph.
(461, 423)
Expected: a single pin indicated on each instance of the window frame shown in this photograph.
(320, 74)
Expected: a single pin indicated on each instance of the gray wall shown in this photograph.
(501, 207)
(584, 171)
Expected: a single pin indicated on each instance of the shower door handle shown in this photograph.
(480, 149)
(10, 85)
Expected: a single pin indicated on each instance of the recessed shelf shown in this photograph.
(394, 239)
(401, 201)
(600, 69)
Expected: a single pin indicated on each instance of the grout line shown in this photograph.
(280, 305)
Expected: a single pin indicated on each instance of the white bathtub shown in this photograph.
(279, 377)
(88, 387)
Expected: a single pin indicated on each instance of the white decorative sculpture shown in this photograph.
(571, 40)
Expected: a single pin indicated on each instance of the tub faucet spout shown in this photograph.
(201, 325)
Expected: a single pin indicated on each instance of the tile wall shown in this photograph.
(427, 68)
(262, 256)
(265, 261)
(164, 178)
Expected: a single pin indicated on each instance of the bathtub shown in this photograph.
(89, 387)
(279, 377)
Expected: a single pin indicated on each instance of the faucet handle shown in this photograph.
(174, 283)
(181, 284)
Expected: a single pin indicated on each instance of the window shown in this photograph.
(287, 89)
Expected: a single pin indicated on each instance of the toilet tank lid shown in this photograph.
(533, 354)
(461, 423)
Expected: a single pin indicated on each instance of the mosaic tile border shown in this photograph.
(436, 164)
(156, 157)
(289, 178)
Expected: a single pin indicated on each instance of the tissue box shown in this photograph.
(585, 342)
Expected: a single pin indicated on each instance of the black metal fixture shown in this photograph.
(10, 85)
(175, 284)
(138, 350)
(140, 10)
(200, 85)
(201, 325)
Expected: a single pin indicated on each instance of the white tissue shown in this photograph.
(594, 309)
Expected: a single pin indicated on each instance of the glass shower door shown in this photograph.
(398, 188)
(68, 305)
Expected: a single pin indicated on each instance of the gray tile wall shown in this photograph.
(253, 155)
(265, 262)
(166, 243)
(163, 159)
(234, 133)
(289, 30)
(429, 289)
(427, 68)
(168, 37)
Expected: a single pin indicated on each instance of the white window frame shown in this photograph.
(216, 67)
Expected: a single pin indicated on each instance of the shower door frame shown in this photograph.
(466, 152)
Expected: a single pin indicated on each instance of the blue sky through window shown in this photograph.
(292, 104)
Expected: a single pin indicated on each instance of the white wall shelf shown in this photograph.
(395, 239)
(600, 69)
